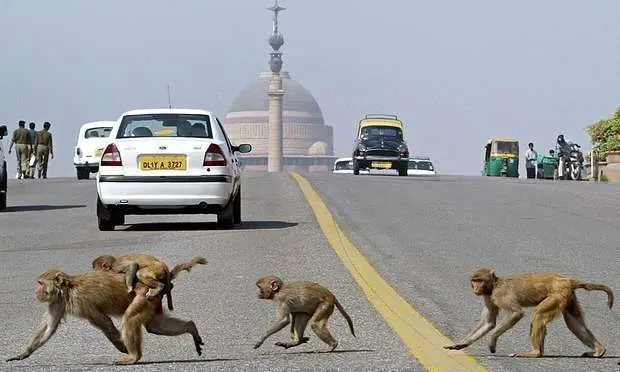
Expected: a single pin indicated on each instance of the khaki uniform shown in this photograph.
(44, 147)
(21, 138)
(33, 138)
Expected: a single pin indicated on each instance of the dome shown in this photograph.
(296, 98)
(318, 148)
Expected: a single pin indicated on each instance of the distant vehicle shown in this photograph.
(344, 166)
(421, 166)
(92, 139)
(501, 158)
(3, 171)
(169, 161)
(380, 144)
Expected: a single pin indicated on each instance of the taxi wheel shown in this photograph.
(237, 207)
(226, 217)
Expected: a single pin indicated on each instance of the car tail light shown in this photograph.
(214, 157)
(111, 156)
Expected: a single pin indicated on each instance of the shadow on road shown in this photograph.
(31, 208)
(193, 226)
(544, 356)
(332, 352)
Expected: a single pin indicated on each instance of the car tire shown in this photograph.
(4, 189)
(356, 167)
(107, 219)
(82, 173)
(237, 207)
(226, 217)
(402, 171)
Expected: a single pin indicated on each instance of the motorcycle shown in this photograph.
(572, 163)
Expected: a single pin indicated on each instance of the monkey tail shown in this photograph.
(345, 315)
(198, 260)
(598, 287)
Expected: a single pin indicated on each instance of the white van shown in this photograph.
(345, 166)
(92, 139)
(421, 166)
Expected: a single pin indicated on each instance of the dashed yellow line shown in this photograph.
(425, 342)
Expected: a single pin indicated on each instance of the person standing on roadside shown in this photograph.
(44, 149)
(23, 145)
(530, 161)
(33, 155)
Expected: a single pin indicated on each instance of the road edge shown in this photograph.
(424, 341)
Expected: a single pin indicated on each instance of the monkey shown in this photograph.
(300, 303)
(550, 294)
(138, 267)
(97, 295)
(147, 269)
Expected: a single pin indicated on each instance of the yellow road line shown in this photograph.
(424, 341)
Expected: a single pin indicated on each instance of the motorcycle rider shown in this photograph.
(563, 149)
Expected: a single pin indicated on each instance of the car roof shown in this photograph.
(167, 111)
(100, 123)
(342, 159)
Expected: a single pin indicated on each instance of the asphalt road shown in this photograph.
(424, 235)
(53, 224)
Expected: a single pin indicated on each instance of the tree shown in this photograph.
(605, 135)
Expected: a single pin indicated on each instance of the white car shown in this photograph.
(3, 171)
(92, 139)
(169, 161)
(421, 166)
(345, 166)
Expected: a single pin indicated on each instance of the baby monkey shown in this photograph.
(139, 267)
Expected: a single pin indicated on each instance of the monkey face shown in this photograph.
(268, 286)
(478, 287)
(50, 285)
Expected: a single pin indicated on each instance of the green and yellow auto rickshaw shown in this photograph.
(501, 158)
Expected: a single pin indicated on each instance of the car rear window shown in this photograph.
(101, 132)
(421, 164)
(165, 125)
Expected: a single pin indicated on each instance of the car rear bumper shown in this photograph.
(165, 191)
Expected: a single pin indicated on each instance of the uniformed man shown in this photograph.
(44, 148)
(23, 147)
(33, 137)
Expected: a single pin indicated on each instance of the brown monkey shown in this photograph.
(147, 269)
(95, 296)
(303, 303)
(139, 267)
(550, 294)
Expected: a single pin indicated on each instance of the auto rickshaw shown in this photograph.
(501, 158)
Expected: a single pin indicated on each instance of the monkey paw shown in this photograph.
(258, 344)
(456, 346)
(18, 357)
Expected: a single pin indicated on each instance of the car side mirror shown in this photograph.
(243, 148)
(3, 131)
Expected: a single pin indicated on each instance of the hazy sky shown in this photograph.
(457, 72)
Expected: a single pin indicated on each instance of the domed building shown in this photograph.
(307, 143)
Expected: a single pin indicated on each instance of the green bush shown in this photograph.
(605, 135)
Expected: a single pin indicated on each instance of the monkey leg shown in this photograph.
(543, 315)
(105, 324)
(139, 312)
(573, 316)
(298, 325)
(169, 326)
(318, 323)
(509, 321)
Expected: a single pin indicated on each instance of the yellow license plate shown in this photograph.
(381, 164)
(98, 152)
(162, 162)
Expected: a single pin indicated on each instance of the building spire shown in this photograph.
(276, 40)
